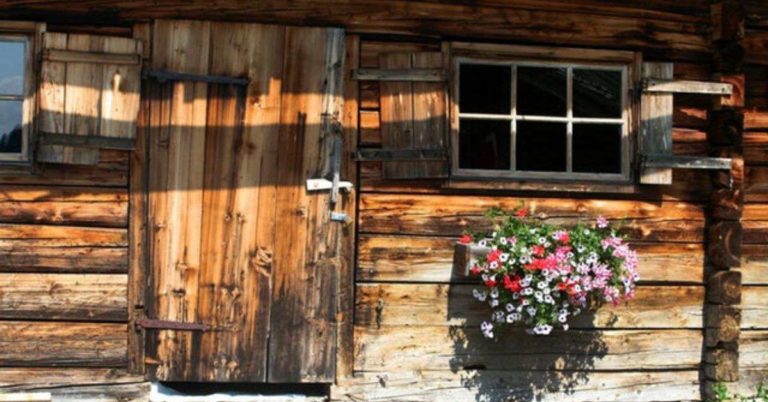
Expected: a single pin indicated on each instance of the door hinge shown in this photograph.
(147, 323)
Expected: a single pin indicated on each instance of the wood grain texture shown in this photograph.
(656, 123)
(383, 305)
(453, 348)
(467, 385)
(754, 264)
(87, 297)
(30, 379)
(450, 215)
(302, 327)
(42, 344)
(429, 259)
(754, 307)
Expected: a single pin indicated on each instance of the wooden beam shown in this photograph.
(162, 76)
(397, 74)
(74, 56)
(371, 154)
(651, 85)
(686, 162)
(87, 141)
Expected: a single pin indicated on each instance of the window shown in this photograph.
(14, 94)
(541, 120)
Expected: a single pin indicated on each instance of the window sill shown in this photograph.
(13, 168)
(474, 183)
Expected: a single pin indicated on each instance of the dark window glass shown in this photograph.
(541, 91)
(541, 146)
(597, 148)
(596, 93)
(485, 89)
(484, 144)
(10, 126)
(11, 68)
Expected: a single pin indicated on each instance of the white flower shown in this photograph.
(483, 243)
(542, 240)
(479, 295)
(541, 285)
(515, 296)
(549, 300)
(498, 316)
(510, 307)
(562, 318)
(531, 311)
(546, 290)
(538, 295)
(586, 231)
(510, 318)
(504, 257)
(565, 327)
(495, 293)
(547, 244)
(494, 302)
(528, 291)
(503, 241)
(528, 278)
(493, 265)
(526, 302)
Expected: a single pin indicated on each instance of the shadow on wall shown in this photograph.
(516, 366)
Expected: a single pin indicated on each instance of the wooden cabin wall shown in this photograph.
(754, 267)
(416, 325)
(64, 278)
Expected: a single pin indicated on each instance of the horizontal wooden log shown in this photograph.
(430, 259)
(62, 194)
(722, 326)
(105, 214)
(495, 385)
(375, 154)
(26, 397)
(687, 87)
(451, 215)
(756, 147)
(724, 287)
(91, 297)
(753, 349)
(15, 235)
(86, 141)
(754, 264)
(380, 305)
(756, 184)
(111, 171)
(455, 348)
(724, 243)
(754, 307)
(31, 379)
(721, 365)
(755, 231)
(24, 256)
(42, 344)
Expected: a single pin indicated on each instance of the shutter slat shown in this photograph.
(89, 88)
(413, 116)
(656, 124)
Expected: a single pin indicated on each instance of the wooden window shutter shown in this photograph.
(414, 118)
(89, 96)
(656, 124)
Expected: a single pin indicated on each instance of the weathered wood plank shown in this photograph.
(429, 259)
(26, 256)
(38, 193)
(30, 379)
(754, 307)
(104, 214)
(61, 236)
(381, 305)
(656, 124)
(454, 348)
(89, 297)
(496, 385)
(752, 349)
(450, 215)
(41, 344)
(754, 264)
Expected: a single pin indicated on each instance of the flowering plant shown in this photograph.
(537, 275)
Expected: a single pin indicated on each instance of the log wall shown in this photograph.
(753, 346)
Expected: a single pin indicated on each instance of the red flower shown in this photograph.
(538, 250)
(550, 262)
(521, 213)
(493, 256)
(466, 239)
(565, 238)
(475, 270)
(490, 283)
(512, 284)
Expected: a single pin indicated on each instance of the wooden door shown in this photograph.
(236, 242)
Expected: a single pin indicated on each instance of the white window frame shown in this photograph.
(512, 173)
(27, 97)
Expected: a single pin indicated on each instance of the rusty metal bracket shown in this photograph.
(147, 323)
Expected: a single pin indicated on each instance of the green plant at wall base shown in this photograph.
(721, 394)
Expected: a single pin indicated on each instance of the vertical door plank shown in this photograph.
(180, 46)
(120, 91)
(302, 328)
(397, 115)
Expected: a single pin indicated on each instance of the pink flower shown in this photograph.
(466, 239)
(602, 223)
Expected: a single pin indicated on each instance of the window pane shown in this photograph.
(485, 89)
(596, 93)
(541, 146)
(541, 91)
(10, 126)
(11, 68)
(484, 144)
(597, 148)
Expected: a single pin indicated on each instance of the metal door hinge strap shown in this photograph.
(147, 323)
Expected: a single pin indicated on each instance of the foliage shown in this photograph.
(721, 394)
(537, 275)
